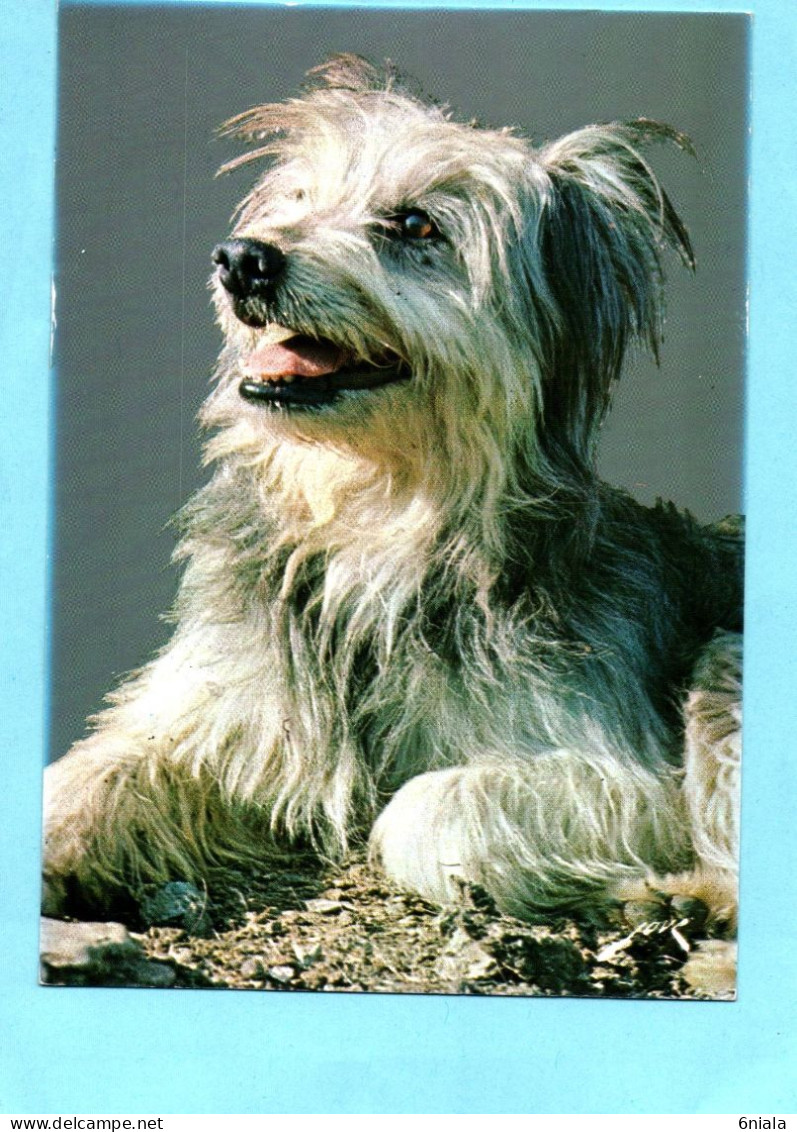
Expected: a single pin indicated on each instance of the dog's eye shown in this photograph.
(414, 225)
(417, 226)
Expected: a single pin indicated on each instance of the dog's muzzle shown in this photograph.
(287, 368)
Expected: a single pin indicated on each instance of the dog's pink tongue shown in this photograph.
(298, 357)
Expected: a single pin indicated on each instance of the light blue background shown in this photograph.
(112, 1051)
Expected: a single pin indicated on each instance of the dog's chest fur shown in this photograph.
(509, 669)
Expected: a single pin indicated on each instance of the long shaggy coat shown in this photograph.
(410, 611)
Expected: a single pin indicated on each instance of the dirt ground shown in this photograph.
(345, 929)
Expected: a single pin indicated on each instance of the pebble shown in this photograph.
(323, 906)
(177, 905)
(101, 954)
(464, 959)
(253, 968)
(307, 953)
(69, 945)
(282, 974)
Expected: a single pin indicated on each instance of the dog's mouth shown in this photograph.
(295, 370)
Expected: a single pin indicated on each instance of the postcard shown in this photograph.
(398, 546)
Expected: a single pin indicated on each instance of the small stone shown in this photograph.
(97, 954)
(315, 980)
(465, 960)
(177, 905)
(323, 907)
(253, 969)
(282, 974)
(547, 960)
(481, 965)
(307, 953)
(158, 975)
(448, 968)
(459, 941)
(70, 945)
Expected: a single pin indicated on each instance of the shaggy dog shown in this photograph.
(410, 610)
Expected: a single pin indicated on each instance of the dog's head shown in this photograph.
(402, 283)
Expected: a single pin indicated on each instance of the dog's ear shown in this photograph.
(604, 225)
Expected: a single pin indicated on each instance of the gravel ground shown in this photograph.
(345, 929)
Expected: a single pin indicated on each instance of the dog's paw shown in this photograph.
(697, 904)
(706, 898)
(711, 969)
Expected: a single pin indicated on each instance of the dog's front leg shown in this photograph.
(555, 832)
(160, 788)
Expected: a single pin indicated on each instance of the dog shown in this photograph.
(411, 614)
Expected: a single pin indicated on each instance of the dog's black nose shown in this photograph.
(248, 268)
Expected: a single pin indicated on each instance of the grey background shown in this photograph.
(141, 93)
